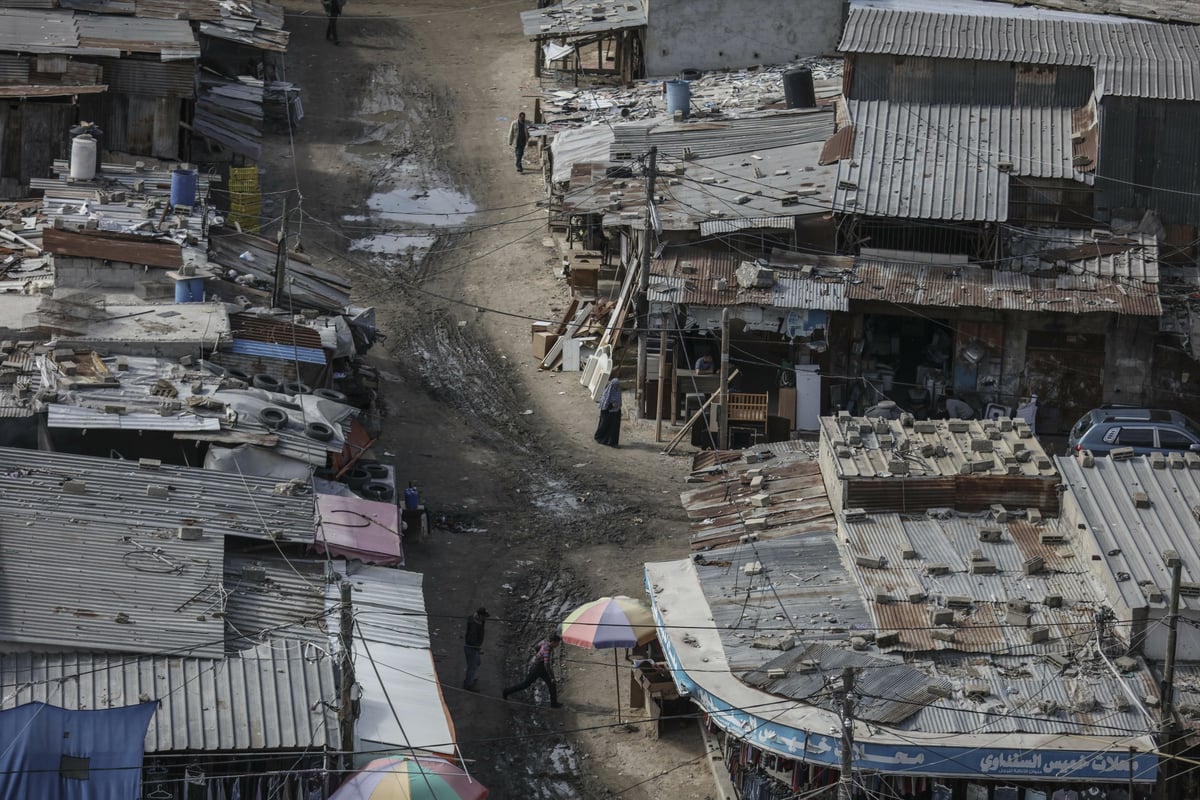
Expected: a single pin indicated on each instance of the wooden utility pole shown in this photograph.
(723, 408)
(346, 715)
(643, 299)
(846, 781)
(1166, 729)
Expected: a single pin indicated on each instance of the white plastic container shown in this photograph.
(83, 158)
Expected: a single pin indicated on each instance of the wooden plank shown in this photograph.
(687, 426)
(555, 353)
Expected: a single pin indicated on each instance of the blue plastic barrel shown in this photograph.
(679, 97)
(183, 187)
(189, 290)
(412, 498)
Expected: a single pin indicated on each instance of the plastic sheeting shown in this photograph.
(51, 752)
(579, 146)
(247, 459)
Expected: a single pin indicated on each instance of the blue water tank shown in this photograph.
(183, 187)
(189, 290)
(412, 498)
(679, 98)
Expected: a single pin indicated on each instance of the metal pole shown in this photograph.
(280, 259)
(346, 714)
(662, 380)
(617, 672)
(723, 408)
(643, 300)
(1167, 689)
(846, 781)
(1131, 752)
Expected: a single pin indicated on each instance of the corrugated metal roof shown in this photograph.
(704, 139)
(870, 455)
(1135, 536)
(804, 590)
(78, 417)
(959, 286)
(1156, 10)
(719, 511)
(283, 597)
(253, 327)
(282, 352)
(1133, 258)
(280, 695)
(912, 544)
(1131, 57)
(579, 17)
(389, 607)
(170, 38)
(691, 276)
(949, 162)
(155, 78)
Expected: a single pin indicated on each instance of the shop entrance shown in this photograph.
(906, 360)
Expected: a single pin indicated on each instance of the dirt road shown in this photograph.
(405, 126)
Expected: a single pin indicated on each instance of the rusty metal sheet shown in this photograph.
(113, 247)
(262, 329)
(838, 146)
(958, 286)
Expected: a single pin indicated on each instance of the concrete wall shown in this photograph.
(716, 34)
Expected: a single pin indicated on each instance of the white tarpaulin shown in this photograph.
(556, 51)
(579, 146)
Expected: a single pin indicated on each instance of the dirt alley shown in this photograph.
(537, 517)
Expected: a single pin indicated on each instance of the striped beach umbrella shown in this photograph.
(610, 622)
(410, 778)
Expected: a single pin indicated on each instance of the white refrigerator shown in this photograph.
(808, 397)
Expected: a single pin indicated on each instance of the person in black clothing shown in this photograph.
(333, 10)
(473, 647)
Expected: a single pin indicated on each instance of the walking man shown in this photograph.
(518, 136)
(539, 669)
(473, 647)
(333, 10)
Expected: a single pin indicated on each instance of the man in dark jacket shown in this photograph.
(333, 10)
(473, 647)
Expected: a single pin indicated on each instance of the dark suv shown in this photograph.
(1146, 430)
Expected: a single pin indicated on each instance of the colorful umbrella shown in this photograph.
(610, 622)
(410, 778)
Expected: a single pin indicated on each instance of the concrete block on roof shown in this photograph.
(1141, 500)
(158, 491)
(887, 639)
(924, 426)
(942, 634)
(1158, 461)
(74, 487)
(982, 446)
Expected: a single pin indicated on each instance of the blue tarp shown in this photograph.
(54, 754)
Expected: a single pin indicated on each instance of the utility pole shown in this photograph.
(1166, 729)
(846, 781)
(643, 300)
(723, 408)
(346, 715)
(662, 381)
(280, 259)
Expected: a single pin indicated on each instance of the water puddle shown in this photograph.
(407, 212)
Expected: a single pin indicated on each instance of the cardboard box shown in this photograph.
(542, 342)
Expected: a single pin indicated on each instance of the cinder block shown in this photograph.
(156, 490)
(74, 487)
(1038, 634)
(871, 562)
(924, 426)
(942, 634)
(941, 616)
(982, 446)
(888, 639)
(1141, 500)
(191, 533)
(957, 426)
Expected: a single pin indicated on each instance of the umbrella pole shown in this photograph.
(617, 672)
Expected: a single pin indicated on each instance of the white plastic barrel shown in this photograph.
(83, 158)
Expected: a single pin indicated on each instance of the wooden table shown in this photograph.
(650, 686)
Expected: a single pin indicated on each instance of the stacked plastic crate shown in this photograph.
(245, 199)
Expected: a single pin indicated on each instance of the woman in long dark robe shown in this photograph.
(608, 431)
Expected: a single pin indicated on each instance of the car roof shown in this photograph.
(1130, 414)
